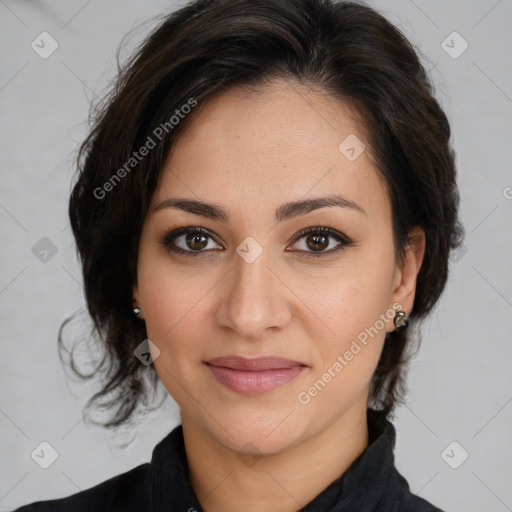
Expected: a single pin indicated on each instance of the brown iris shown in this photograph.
(319, 241)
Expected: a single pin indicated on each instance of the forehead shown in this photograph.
(263, 147)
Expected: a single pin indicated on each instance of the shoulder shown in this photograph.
(412, 502)
(126, 492)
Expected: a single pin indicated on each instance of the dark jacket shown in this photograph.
(370, 484)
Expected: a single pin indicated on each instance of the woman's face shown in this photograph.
(253, 286)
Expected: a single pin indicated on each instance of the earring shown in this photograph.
(136, 310)
(400, 320)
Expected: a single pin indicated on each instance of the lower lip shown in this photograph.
(254, 383)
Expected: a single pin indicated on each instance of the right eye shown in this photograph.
(189, 241)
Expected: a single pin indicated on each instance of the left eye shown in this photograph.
(318, 240)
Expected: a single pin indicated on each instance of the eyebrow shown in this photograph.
(284, 212)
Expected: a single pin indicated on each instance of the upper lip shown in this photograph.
(254, 364)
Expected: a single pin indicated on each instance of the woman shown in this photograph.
(266, 201)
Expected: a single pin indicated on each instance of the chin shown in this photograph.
(259, 432)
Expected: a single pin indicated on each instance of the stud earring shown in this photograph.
(136, 310)
(400, 320)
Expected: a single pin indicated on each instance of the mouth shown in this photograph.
(256, 375)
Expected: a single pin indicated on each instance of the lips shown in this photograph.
(256, 364)
(256, 375)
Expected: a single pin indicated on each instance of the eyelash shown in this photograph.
(171, 236)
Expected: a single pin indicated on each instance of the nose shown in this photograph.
(254, 298)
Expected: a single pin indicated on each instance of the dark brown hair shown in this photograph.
(347, 50)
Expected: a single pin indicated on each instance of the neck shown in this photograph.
(283, 482)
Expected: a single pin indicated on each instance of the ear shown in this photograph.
(136, 299)
(406, 272)
(135, 294)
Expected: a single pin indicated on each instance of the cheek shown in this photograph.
(348, 350)
(176, 312)
(351, 319)
(354, 300)
(352, 315)
(175, 321)
(167, 292)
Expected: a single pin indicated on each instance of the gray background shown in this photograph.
(460, 382)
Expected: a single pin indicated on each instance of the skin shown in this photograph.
(251, 153)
